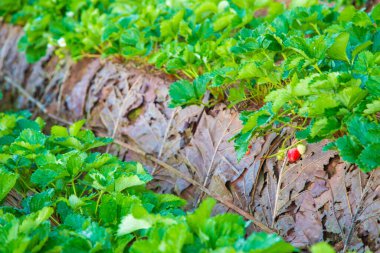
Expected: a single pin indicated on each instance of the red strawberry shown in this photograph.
(249, 150)
(293, 155)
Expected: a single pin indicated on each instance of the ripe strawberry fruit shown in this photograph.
(293, 155)
(249, 150)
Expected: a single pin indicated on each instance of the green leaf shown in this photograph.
(223, 230)
(109, 31)
(47, 174)
(69, 142)
(185, 93)
(35, 53)
(223, 21)
(170, 27)
(124, 182)
(324, 126)
(7, 181)
(262, 243)
(322, 247)
(38, 201)
(370, 157)
(362, 19)
(32, 137)
(7, 124)
(364, 63)
(338, 50)
(198, 218)
(164, 238)
(351, 96)
(95, 235)
(373, 86)
(75, 202)
(305, 133)
(375, 13)
(349, 148)
(318, 104)
(130, 224)
(107, 209)
(25, 124)
(241, 144)
(130, 37)
(169, 202)
(373, 107)
(75, 127)
(59, 131)
(360, 48)
(175, 64)
(75, 163)
(28, 142)
(365, 131)
(35, 219)
(204, 10)
(236, 95)
(252, 121)
(279, 98)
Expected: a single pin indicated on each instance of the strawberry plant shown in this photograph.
(71, 198)
(337, 102)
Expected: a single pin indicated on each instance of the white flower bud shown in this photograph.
(70, 14)
(223, 5)
(61, 42)
(301, 148)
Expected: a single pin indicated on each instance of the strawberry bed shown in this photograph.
(245, 98)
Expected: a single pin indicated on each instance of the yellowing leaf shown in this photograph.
(125, 182)
(322, 247)
(130, 224)
(351, 96)
(373, 107)
(7, 181)
(338, 49)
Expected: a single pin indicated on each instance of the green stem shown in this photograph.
(54, 220)
(84, 189)
(316, 29)
(27, 186)
(73, 186)
(317, 68)
(98, 201)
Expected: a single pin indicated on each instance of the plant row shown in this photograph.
(62, 197)
(315, 67)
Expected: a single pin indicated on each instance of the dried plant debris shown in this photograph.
(74, 89)
(41, 80)
(212, 155)
(320, 198)
(11, 61)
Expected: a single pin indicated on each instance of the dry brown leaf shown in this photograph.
(75, 87)
(12, 62)
(212, 154)
(164, 133)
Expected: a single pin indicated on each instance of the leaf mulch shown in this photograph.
(189, 153)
